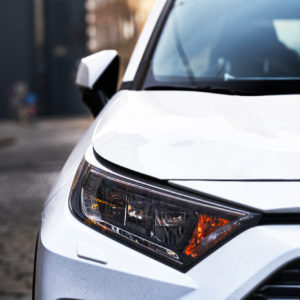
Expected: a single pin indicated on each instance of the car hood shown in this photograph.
(179, 135)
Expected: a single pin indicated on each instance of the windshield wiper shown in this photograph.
(207, 89)
(229, 77)
(182, 54)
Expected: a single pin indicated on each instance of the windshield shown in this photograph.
(247, 46)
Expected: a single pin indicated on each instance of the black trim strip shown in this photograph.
(126, 85)
(129, 173)
(35, 266)
(144, 64)
(280, 219)
(241, 180)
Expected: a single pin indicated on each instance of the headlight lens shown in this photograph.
(176, 227)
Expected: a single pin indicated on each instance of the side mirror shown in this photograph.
(97, 78)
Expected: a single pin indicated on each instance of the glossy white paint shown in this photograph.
(193, 135)
(62, 273)
(91, 67)
(142, 43)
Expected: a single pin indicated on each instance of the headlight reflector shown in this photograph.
(176, 227)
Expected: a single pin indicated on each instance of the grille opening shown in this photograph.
(284, 284)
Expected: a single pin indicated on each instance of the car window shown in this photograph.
(228, 40)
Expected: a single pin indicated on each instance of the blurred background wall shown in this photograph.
(42, 42)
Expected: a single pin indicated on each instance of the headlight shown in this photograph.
(176, 227)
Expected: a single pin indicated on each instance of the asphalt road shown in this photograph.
(30, 160)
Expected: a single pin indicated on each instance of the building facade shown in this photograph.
(116, 24)
(17, 52)
(40, 51)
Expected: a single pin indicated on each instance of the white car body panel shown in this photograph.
(91, 67)
(254, 254)
(196, 136)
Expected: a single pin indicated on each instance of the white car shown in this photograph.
(187, 184)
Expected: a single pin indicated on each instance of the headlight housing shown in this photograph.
(176, 227)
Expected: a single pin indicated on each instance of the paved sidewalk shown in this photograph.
(30, 159)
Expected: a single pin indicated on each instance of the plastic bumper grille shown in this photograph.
(284, 284)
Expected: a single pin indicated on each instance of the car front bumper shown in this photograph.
(76, 262)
